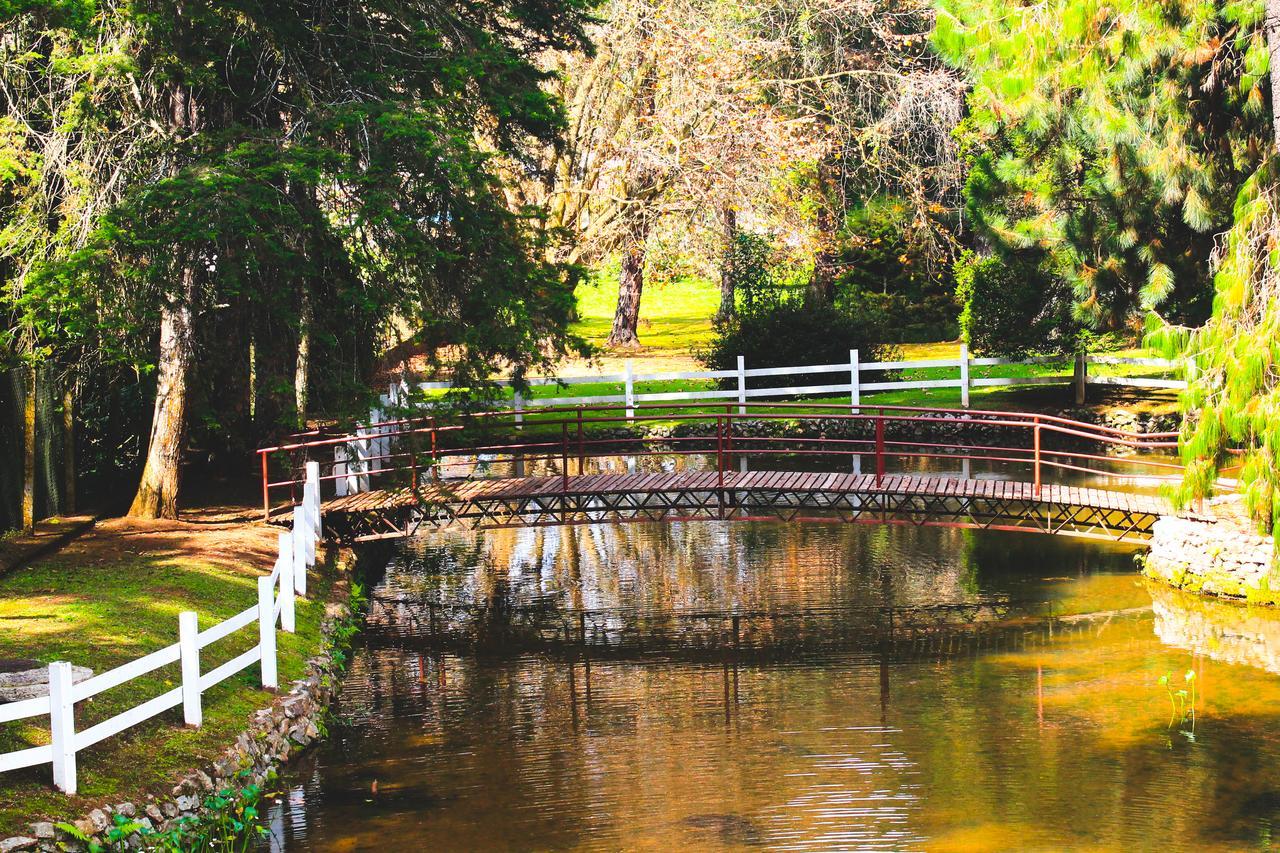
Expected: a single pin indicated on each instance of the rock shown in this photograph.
(186, 803)
(32, 683)
(127, 809)
(43, 829)
(154, 813)
(100, 821)
(85, 826)
(17, 842)
(171, 809)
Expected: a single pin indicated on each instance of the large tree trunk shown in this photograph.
(302, 372)
(69, 449)
(29, 450)
(823, 284)
(157, 495)
(727, 272)
(626, 319)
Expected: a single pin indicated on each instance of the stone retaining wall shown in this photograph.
(292, 722)
(1215, 554)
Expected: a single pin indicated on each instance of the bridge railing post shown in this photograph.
(266, 500)
(728, 434)
(435, 459)
(880, 447)
(1036, 440)
(564, 455)
(582, 456)
(720, 451)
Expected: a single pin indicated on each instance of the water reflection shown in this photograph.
(535, 689)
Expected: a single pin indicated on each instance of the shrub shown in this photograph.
(1011, 308)
(890, 265)
(787, 332)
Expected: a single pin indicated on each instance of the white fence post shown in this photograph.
(855, 382)
(285, 561)
(189, 646)
(742, 385)
(267, 630)
(298, 549)
(340, 471)
(964, 374)
(518, 405)
(62, 727)
(313, 477)
(629, 391)
(302, 523)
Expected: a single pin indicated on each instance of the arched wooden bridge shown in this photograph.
(397, 478)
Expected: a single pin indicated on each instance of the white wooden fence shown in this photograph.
(849, 372)
(275, 606)
(353, 462)
(850, 381)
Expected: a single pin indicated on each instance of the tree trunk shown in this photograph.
(823, 284)
(626, 319)
(1273, 48)
(727, 272)
(69, 449)
(157, 495)
(29, 450)
(302, 373)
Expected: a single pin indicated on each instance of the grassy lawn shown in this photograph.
(111, 597)
(675, 317)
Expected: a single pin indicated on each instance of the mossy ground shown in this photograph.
(113, 596)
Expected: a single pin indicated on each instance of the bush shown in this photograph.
(888, 267)
(787, 332)
(1011, 308)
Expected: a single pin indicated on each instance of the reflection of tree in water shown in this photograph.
(693, 586)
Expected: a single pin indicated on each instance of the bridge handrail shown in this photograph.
(573, 442)
(840, 410)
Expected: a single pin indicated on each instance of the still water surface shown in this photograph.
(881, 688)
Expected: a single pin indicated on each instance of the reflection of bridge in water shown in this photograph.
(900, 632)
(392, 480)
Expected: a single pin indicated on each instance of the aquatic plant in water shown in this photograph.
(1182, 702)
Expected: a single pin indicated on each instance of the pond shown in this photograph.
(727, 686)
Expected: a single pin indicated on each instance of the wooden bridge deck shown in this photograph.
(785, 495)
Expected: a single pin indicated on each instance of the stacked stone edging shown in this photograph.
(1212, 554)
(289, 725)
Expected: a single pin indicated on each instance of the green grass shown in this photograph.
(675, 316)
(107, 614)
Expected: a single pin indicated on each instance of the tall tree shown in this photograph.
(1105, 142)
(268, 146)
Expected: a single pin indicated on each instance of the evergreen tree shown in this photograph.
(258, 172)
(1106, 141)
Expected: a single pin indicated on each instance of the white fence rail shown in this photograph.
(274, 608)
(850, 383)
(357, 459)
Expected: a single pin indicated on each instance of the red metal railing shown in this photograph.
(415, 446)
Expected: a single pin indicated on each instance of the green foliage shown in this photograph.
(317, 171)
(1010, 308)
(890, 264)
(1233, 401)
(749, 263)
(784, 331)
(1109, 139)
